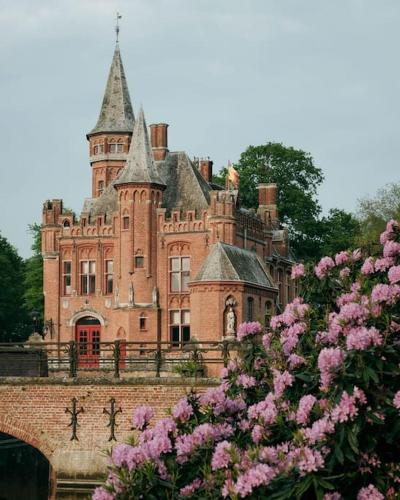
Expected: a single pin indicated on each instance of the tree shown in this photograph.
(309, 410)
(339, 230)
(13, 315)
(298, 180)
(373, 212)
(33, 276)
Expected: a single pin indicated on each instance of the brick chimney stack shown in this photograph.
(159, 140)
(205, 168)
(267, 207)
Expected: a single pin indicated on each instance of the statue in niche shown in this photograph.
(131, 298)
(230, 322)
(156, 297)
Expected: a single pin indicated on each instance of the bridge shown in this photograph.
(76, 403)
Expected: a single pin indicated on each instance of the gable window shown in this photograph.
(98, 149)
(179, 274)
(109, 268)
(250, 309)
(125, 222)
(88, 277)
(179, 326)
(139, 261)
(100, 188)
(66, 271)
(116, 148)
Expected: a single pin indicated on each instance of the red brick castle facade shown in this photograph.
(159, 251)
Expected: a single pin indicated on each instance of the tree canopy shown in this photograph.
(33, 276)
(13, 314)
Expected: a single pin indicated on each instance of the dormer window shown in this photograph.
(116, 148)
(98, 149)
(100, 188)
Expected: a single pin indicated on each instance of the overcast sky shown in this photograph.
(318, 75)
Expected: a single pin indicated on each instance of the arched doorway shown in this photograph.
(24, 470)
(88, 334)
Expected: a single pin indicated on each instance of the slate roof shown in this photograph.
(116, 114)
(186, 188)
(230, 263)
(139, 165)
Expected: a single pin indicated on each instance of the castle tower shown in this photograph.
(109, 140)
(139, 189)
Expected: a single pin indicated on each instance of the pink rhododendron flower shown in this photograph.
(266, 341)
(260, 474)
(356, 255)
(257, 433)
(345, 272)
(347, 409)
(385, 293)
(396, 400)
(323, 267)
(221, 456)
(142, 416)
(361, 338)
(394, 274)
(319, 430)
(391, 248)
(246, 329)
(266, 410)
(281, 381)
(188, 490)
(370, 493)
(305, 406)
(329, 359)
(182, 410)
(368, 266)
(333, 496)
(246, 381)
(342, 258)
(384, 263)
(298, 271)
(102, 494)
(295, 361)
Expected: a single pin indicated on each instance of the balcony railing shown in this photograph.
(118, 358)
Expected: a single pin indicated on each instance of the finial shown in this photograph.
(117, 26)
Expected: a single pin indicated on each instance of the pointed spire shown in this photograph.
(116, 114)
(140, 165)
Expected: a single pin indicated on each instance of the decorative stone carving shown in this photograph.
(156, 297)
(230, 322)
(131, 295)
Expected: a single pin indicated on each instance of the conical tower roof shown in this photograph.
(140, 167)
(116, 114)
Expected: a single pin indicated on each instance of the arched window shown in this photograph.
(115, 147)
(66, 223)
(250, 309)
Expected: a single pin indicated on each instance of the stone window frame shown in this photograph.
(143, 322)
(87, 279)
(108, 276)
(100, 187)
(250, 309)
(181, 327)
(183, 275)
(66, 276)
(98, 149)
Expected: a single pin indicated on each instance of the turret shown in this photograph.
(139, 189)
(109, 140)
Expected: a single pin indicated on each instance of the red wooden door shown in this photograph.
(88, 340)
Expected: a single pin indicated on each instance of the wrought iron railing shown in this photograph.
(192, 358)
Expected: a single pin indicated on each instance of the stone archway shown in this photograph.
(25, 467)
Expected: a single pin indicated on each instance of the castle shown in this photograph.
(159, 252)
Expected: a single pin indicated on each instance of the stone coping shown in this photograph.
(93, 381)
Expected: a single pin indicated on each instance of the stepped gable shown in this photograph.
(230, 263)
(116, 114)
(186, 188)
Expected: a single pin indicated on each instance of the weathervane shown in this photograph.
(117, 25)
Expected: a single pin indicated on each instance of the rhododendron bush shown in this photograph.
(310, 409)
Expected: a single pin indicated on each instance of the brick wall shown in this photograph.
(34, 410)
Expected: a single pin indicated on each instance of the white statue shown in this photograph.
(131, 294)
(155, 297)
(230, 322)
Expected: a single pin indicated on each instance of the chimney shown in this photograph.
(205, 169)
(267, 198)
(159, 140)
